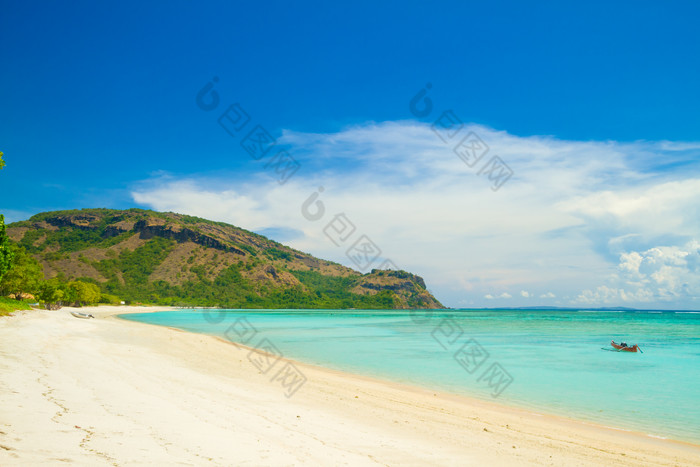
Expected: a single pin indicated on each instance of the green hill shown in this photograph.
(174, 259)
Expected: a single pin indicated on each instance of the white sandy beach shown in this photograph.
(106, 391)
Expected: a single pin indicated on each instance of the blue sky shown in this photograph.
(592, 106)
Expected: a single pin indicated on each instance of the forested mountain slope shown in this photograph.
(167, 258)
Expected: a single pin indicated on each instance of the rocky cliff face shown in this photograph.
(410, 288)
(155, 227)
(152, 256)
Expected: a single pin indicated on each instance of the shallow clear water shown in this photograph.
(550, 361)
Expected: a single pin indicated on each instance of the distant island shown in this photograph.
(142, 256)
(580, 308)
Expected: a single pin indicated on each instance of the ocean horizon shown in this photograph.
(543, 360)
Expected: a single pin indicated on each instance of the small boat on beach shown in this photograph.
(77, 314)
(623, 347)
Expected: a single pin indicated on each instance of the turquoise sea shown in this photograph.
(547, 361)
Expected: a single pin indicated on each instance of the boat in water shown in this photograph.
(623, 347)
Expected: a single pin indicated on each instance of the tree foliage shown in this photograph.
(6, 253)
(51, 291)
(72, 293)
(85, 292)
(24, 276)
(109, 299)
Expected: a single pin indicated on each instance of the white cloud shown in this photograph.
(247, 206)
(524, 294)
(637, 217)
(504, 295)
(604, 295)
(659, 274)
(561, 223)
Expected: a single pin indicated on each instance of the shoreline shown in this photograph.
(506, 405)
(501, 405)
(335, 415)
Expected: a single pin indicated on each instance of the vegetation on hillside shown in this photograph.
(141, 256)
